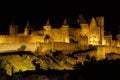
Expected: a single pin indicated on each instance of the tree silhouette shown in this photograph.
(88, 57)
(37, 65)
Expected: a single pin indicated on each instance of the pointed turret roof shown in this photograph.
(65, 22)
(93, 21)
(48, 22)
(81, 19)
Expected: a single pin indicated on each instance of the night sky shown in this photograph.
(38, 12)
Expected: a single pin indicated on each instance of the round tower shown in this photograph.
(27, 29)
(65, 31)
(47, 27)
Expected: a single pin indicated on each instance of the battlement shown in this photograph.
(64, 38)
(92, 33)
(4, 36)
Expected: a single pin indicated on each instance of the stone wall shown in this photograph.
(94, 33)
(62, 34)
(108, 40)
(66, 47)
(103, 50)
(43, 47)
(8, 47)
(57, 35)
(21, 39)
(84, 29)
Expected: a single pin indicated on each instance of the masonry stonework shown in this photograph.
(63, 38)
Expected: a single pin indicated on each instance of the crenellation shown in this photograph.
(64, 38)
(62, 34)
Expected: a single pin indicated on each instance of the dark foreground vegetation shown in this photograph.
(93, 70)
(90, 69)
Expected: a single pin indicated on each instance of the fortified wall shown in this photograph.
(42, 47)
(65, 38)
(92, 30)
(21, 39)
(103, 50)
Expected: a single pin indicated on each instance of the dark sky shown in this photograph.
(38, 12)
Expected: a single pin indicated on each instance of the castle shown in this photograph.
(88, 33)
(91, 33)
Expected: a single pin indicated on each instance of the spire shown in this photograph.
(65, 22)
(27, 28)
(48, 22)
(93, 22)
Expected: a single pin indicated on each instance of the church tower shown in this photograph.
(27, 29)
(13, 29)
(100, 22)
(65, 31)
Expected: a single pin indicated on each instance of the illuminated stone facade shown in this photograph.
(88, 33)
(64, 38)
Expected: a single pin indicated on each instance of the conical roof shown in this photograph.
(65, 22)
(48, 22)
